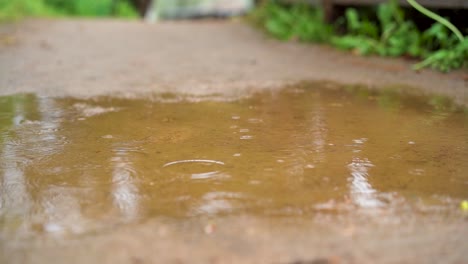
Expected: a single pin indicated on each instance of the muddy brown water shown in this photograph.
(74, 166)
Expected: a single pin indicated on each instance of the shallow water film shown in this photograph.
(75, 166)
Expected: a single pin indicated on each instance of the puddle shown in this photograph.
(70, 166)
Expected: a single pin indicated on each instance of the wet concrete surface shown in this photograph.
(88, 58)
(338, 164)
(145, 144)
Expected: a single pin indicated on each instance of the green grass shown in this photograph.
(390, 33)
(17, 9)
(11, 10)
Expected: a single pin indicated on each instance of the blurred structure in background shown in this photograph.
(153, 10)
(141, 6)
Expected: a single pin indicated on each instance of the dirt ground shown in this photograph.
(88, 58)
(92, 58)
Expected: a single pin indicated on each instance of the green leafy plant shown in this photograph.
(447, 59)
(450, 56)
(436, 17)
(294, 22)
(441, 46)
(362, 34)
(392, 36)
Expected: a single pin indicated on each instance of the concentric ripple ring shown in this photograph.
(193, 161)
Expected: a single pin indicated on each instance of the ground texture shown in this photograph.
(93, 58)
(88, 58)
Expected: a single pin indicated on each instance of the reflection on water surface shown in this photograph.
(73, 166)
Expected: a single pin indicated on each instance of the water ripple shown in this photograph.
(193, 161)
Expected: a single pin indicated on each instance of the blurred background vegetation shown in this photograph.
(384, 30)
(17, 9)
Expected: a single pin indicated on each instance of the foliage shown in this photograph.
(17, 9)
(446, 58)
(93, 7)
(294, 22)
(437, 18)
(390, 34)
